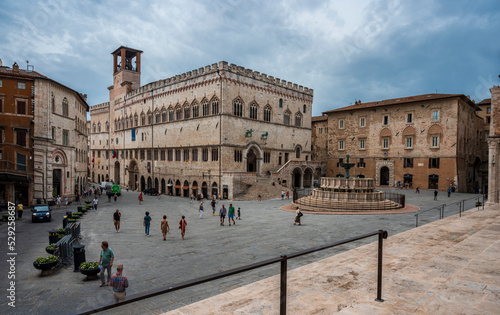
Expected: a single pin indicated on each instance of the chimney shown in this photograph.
(0, 62)
(15, 67)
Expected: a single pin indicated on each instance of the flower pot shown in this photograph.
(90, 273)
(50, 251)
(46, 268)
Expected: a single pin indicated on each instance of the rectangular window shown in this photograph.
(408, 163)
(267, 157)
(21, 85)
(21, 137)
(386, 120)
(65, 137)
(409, 118)
(409, 142)
(341, 160)
(2, 131)
(238, 156)
(385, 143)
(435, 141)
(488, 120)
(162, 155)
(320, 131)
(362, 122)
(53, 133)
(362, 144)
(170, 155)
(21, 107)
(488, 110)
(205, 155)
(136, 154)
(21, 162)
(149, 155)
(195, 155)
(341, 144)
(107, 154)
(435, 115)
(133, 134)
(186, 155)
(361, 163)
(215, 154)
(177, 154)
(341, 124)
(1, 104)
(0, 83)
(155, 155)
(143, 155)
(433, 162)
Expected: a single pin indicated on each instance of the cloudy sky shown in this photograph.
(345, 50)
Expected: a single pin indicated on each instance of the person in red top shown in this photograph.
(182, 226)
(140, 198)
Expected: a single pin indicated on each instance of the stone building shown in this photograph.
(44, 139)
(430, 141)
(221, 126)
(494, 147)
(485, 114)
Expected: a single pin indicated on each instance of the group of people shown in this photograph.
(230, 214)
(165, 228)
(117, 281)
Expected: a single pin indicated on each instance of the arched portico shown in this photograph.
(253, 159)
(133, 173)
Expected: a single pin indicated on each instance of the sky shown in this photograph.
(366, 50)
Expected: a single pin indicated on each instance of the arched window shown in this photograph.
(196, 109)
(178, 113)
(253, 110)
(107, 126)
(187, 111)
(286, 119)
(238, 107)
(65, 107)
(125, 122)
(164, 115)
(53, 103)
(298, 119)
(215, 106)
(150, 118)
(143, 119)
(116, 125)
(94, 127)
(297, 152)
(136, 120)
(170, 114)
(131, 121)
(157, 117)
(206, 108)
(281, 103)
(267, 113)
(304, 108)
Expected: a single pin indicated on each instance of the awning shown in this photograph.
(185, 187)
(169, 185)
(177, 186)
(194, 187)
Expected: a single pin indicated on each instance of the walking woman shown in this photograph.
(164, 227)
(182, 226)
(140, 198)
(298, 214)
(147, 222)
(201, 209)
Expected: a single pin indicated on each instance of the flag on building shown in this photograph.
(98, 160)
(115, 153)
(92, 160)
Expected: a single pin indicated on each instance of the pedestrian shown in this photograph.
(116, 219)
(479, 190)
(127, 188)
(66, 202)
(435, 194)
(106, 262)
(140, 197)
(20, 211)
(192, 198)
(90, 192)
(119, 282)
(109, 196)
(58, 201)
(239, 214)
(282, 195)
(201, 209)
(259, 197)
(222, 214)
(213, 206)
(77, 199)
(449, 192)
(164, 227)
(182, 226)
(85, 193)
(417, 191)
(287, 194)
(96, 203)
(230, 214)
(115, 196)
(298, 214)
(147, 223)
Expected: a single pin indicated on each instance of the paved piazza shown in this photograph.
(265, 231)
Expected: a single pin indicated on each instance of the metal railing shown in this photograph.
(283, 275)
(65, 245)
(441, 209)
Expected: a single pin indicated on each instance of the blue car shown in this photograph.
(41, 213)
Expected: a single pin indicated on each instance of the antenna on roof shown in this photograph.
(29, 68)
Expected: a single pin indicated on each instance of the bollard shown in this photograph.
(53, 236)
(79, 255)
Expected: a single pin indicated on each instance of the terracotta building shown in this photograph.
(43, 149)
(215, 129)
(431, 141)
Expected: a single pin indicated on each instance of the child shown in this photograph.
(239, 214)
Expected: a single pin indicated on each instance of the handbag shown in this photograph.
(300, 214)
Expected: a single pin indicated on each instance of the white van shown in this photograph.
(104, 185)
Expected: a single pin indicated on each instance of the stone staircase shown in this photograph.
(264, 187)
(310, 203)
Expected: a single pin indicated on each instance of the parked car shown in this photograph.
(151, 191)
(41, 213)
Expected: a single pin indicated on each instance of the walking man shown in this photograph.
(282, 195)
(96, 203)
(116, 219)
(147, 223)
(213, 206)
(436, 194)
(449, 192)
(119, 282)
(201, 209)
(230, 214)
(58, 201)
(106, 262)
(222, 215)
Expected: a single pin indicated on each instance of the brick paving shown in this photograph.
(264, 232)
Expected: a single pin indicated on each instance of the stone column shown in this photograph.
(302, 180)
(493, 169)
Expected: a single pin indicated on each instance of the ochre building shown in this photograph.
(430, 141)
(216, 129)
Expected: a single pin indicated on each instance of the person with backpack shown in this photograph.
(116, 219)
(298, 215)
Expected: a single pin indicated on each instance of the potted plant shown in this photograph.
(51, 249)
(88, 202)
(5, 217)
(71, 220)
(45, 264)
(90, 269)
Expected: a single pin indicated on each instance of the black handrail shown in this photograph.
(283, 272)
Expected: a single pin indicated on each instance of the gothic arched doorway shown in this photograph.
(133, 173)
(143, 183)
(251, 161)
(296, 177)
(384, 176)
